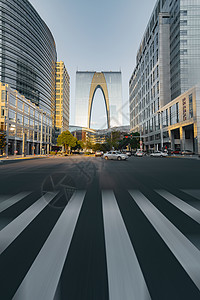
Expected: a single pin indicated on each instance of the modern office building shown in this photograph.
(167, 63)
(97, 136)
(28, 128)
(62, 98)
(110, 84)
(27, 53)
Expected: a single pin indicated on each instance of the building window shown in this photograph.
(4, 96)
(11, 115)
(19, 105)
(2, 111)
(177, 112)
(26, 121)
(183, 12)
(19, 119)
(12, 100)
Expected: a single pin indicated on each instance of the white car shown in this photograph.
(116, 155)
(159, 154)
(139, 153)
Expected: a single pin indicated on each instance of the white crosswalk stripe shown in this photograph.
(13, 229)
(42, 278)
(13, 200)
(180, 204)
(184, 251)
(193, 193)
(125, 277)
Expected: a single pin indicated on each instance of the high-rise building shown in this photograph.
(27, 53)
(62, 98)
(167, 64)
(87, 83)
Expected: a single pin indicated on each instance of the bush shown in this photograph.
(87, 153)
(52, 153)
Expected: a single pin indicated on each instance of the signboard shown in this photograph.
(184, 110)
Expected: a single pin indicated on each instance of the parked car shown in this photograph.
(98, 153)
(159, 154)
(177, 151)
(116, 155)
(187, 152)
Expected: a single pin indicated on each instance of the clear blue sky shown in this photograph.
(99, 36)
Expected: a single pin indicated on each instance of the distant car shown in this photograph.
(139, 153)
(177, 151)
(98, 153)
(159, 154)
(116, 155)
(187, 152)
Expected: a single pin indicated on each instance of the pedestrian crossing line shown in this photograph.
(184, 251)
(42, 279)
(193, 193)
(13, 200)
(9, 233)
(125, 277)
(187, 209)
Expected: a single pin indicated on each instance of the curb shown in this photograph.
(19, 159)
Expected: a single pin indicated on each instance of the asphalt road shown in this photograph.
(82, 228)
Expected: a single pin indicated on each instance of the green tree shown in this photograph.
(67, 140)
(2, 141)
(135, 140)
(79, 145)
(113, 140)
(88, 144)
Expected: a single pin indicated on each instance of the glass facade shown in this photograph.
(167, 64)
(111, 85)
(20, 117)
(27, 53)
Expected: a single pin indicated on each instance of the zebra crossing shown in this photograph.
(125, 275)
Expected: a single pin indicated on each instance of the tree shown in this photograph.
(113, 140)
(67, 140)
(131, 140)
(88, 144)
(79, 145)
(2, 141)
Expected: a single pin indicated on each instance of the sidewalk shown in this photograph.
(11, 158)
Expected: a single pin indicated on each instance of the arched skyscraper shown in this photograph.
(110, 84)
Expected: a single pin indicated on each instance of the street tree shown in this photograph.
(88, 144)
(67, 140)
(2, 141)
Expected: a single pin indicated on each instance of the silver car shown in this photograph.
(159, 154)
(116, 155)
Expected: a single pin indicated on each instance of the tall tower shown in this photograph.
(87, 83)
(62, 98)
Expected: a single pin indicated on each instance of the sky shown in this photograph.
(97, 35)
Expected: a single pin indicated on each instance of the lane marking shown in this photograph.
(125, 278)
(42, 279)
(13, 200)
(9, 233)
(187, 209)
(184, 251)
(193, 193)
